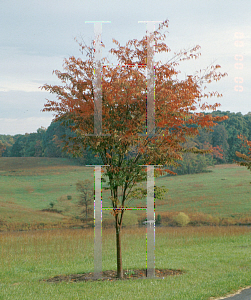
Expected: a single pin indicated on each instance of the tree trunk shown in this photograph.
(119, 253)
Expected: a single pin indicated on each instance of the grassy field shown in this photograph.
(225, 191)
(29, 185)
(215, 260)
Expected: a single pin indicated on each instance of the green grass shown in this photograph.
(225, 191)
(29, 184)
(216, 262)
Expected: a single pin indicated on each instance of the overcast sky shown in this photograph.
(35, 37)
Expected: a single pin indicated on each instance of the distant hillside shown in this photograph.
(30, 186)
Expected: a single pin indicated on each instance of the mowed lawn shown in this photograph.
(215, 260)
(30, 184)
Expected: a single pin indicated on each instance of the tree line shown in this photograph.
(223, 141)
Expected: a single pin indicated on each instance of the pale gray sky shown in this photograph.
(36, 36)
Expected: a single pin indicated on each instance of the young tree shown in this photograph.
(86, 196)
(124, 90)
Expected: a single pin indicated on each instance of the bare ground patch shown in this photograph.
(111, 275)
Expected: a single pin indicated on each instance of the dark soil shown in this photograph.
(112, 275)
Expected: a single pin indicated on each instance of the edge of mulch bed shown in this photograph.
(111, 275)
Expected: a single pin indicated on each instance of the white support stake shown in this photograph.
(97, 224)
(98, 77)
(150, 111)
(97, 221)
(150, 223)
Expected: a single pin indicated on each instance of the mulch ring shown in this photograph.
(111, 275)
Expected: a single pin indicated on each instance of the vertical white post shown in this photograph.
(97, 80)
(97, 77)
(150, 80)
(97, 224)
(150, 222)
(97, 221)
(150, 110)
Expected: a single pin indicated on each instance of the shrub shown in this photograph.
(182, 219)
(199, 219)
(158, 220)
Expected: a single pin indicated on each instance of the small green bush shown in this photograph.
(158, 220)
(182, 219)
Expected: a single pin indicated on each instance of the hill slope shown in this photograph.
(30, 184)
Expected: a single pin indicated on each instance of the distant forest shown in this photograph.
(223, 139)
